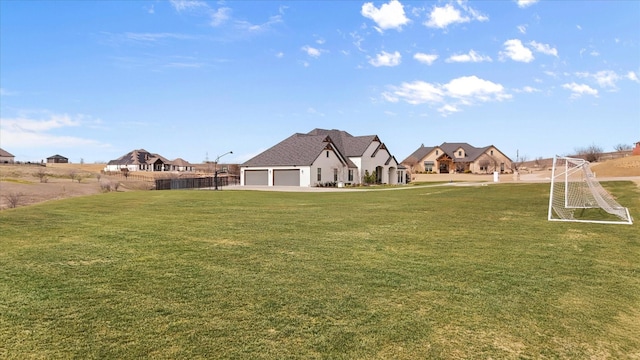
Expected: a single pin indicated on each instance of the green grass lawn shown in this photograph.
(434, 272)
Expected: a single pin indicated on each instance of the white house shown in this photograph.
(323, 157)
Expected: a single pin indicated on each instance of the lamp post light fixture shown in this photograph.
(215, 169)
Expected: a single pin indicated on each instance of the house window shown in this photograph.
(335, 174)
(460, 153)
(501, 167)
(327, 153)
(319, 174)
(436, 152)
(350, 175)
(491, 152)
(428, 166)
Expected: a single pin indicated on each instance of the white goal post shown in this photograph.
(576, 195)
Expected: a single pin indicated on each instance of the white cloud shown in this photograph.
(388, 16)
(474, 88)
(606, 78)
(529, 89)
(25, 132)
(462, 91)
(544, 48)
(257, 28)
(220, 16)
(417, 92)
(441, 17)
(448, 109)
(311, 51)
(425, 58)
(280, 55)
(522, 29)
(577, 90)
(472, 56)
(525, 3)
(182, 5)
(386, 59)
(154, 37)
(515, 51)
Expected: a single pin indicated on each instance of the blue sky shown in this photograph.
(93, 80)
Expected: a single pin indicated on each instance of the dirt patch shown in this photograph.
(22, 185)
(627, 166)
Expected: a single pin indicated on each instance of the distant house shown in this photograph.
(57, 159)
(458, 157)
(181, 165)
(142, 160)
(6, 157)
(636, 150)
(323, 156)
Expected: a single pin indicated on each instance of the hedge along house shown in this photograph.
(458, 158)
(142, 160)
(321, 157)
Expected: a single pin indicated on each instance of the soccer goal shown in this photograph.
(576, 195)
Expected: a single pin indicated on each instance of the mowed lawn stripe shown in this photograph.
(440, 272)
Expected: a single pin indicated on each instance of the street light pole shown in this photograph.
(215, 169)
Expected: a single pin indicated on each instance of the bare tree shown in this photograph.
(13, 199)
(484, 164)
(73, 175)
(520, 160)
(623, 147)
(540, 163)
(590, 153)
(42, 175)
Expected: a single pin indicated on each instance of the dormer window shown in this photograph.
(459, 153)
(327, 153)
(436, 152)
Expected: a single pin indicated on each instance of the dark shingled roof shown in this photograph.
(349, 145)
(56, 156)
(137, 157)
(298, 149)
(417, 155)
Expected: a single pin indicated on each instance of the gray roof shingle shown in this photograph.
(303, 149)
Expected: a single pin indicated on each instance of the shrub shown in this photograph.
(13, 199)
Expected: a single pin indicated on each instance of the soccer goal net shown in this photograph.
(576, 195)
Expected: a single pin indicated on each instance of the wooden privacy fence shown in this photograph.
(191, 183)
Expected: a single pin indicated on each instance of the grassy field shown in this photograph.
(436, 272)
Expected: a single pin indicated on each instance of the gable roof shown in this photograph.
(137, 157)
(56, 156)
(349, 145)
(298, 149)
(417, 155)
(181, 162)
(5, 153)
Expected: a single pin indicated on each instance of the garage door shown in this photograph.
(286, 177)
(256, 177)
